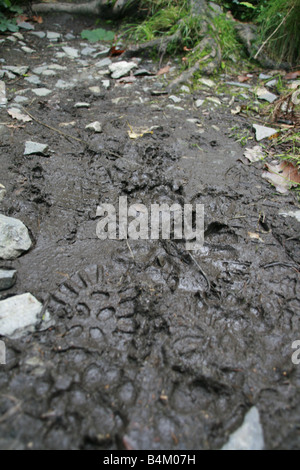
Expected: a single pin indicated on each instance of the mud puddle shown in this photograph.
(151, 348)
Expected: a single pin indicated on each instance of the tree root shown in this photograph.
(206, 65)
(102, 8)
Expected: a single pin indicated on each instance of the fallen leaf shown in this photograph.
(37, 19)
(292, 75)
(164, 70)
(283, 176)
(255, 154)
(22, 18)
(15, 113)
(243, 78)
(115, 51)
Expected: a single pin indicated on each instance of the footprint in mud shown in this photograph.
(95, 310)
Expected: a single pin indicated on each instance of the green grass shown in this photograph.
(279, 22)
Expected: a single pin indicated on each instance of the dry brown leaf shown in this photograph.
(37, 19)
(283, 175)
(243, 78)
(292, 75)
(164, 70)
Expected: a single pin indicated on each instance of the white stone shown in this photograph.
(214, 99)
(20, 315)
(106, 84)
(95, 89)
(82, 105)
(3, 99)
(263, 132)
(14, 238)
(121, 69)
(71, 52)
(185, 89)
(41, 91)
(199, 103)
(207, 82)
(249, 436)
(95, 126)
(175, 99)
(35, 148)
(20, 99)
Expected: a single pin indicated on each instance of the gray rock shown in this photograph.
(264, 94)
(95, 89)
(71, 52)
(41, 91)
(57, 67)
(263, 132)
(64, 85)
(39, 70)
(103, 63)
(7, 278)
(35, 148)
(3, 99)
(207, 82)
(22, 314)
(238, 84)
(53, 36)
(49, 73)
(121, 69)
(33, 79)
(105, 51)
(2, 192)
(27, 50)
(88, 50)
(263, 76)
(175, 99)
(25, 25)
(17, 70)
(295, 214)
(38, 34)
(20, 99)
(199, 103)
(14, 238)
(185, 89)
(69, 36)
(249, 436)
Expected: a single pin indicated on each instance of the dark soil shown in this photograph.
(148, 351)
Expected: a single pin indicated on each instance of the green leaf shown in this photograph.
(248, 5)
(96, 35)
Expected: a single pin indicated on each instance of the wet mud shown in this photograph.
(152, 347)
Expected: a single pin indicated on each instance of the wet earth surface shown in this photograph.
(151, 346)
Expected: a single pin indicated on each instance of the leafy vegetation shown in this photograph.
(7, 12)
(95, 35)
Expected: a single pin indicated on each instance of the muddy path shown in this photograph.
(150, 348)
